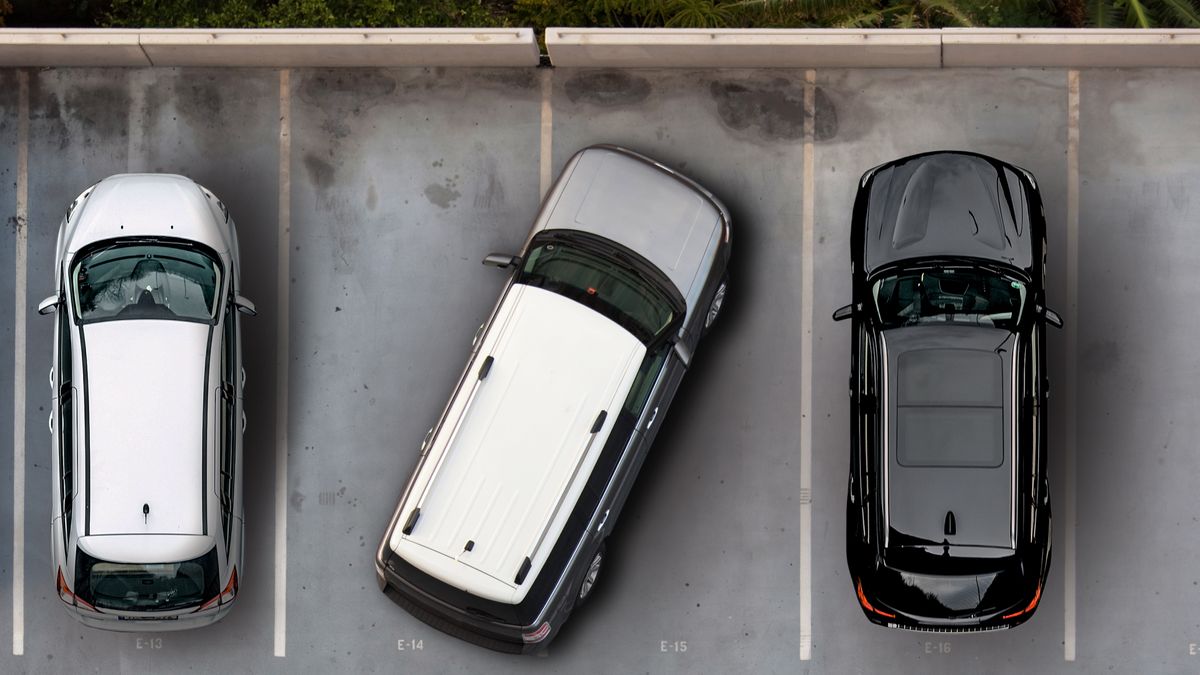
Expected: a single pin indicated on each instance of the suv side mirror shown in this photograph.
(683, 352)
(844, 313)
(501, 260)
(1051, 316)
(244, 305)
(48, 306)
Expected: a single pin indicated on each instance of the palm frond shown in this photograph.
(1183, 12)
(951, 9)
(1103, 14)
(1136, 15)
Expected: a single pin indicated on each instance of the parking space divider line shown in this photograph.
(806, 375)
(282, 359)
(546, 160)
(21, 269)
(1071, 334)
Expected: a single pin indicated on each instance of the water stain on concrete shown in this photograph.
(825, 124)
(489, 190)
(372, 197)
(319, 171)
(607, 88)
(351, 91)
(766, 111)
(442, 195)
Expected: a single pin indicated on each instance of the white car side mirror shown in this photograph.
(48, 306)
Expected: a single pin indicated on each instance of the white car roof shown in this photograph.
(517, 447)
(146, 416)
(141, 204)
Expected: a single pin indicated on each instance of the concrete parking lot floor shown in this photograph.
(396, 182)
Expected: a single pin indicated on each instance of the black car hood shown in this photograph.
(948, 204)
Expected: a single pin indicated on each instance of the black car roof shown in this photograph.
(949, 464)
(948, 204)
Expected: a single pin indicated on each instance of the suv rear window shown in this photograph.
(156, 587)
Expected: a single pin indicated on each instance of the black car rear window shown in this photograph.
(135, 587)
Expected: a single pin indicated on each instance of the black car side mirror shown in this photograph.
(1051, 316)
(844, 313)
(501, 260)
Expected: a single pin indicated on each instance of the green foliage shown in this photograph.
(1143, 13)
(617, 13)
(300, 13)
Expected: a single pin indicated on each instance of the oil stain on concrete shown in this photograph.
(607, 88)
(771, 111)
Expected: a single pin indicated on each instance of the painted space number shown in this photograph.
(149, 643)
(937, 647)
(673, 646)
(403, 645)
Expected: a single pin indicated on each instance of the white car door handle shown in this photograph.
(50, 422)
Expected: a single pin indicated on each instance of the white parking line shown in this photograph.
(547, 158)
(281, 362)
(22, 243)
(806, 376)
(1072, 333)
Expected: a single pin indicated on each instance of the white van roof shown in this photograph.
(518, 444)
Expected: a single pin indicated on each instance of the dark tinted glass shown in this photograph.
(601, 283)
(949, 294)
(146, 588)
(146, 280)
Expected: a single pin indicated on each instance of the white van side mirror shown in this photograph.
(48, 306)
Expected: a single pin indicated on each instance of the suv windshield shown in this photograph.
(949, 294)
(611, 285)
(146, 588)
(146, 279)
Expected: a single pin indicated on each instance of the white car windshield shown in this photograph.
(143, 279)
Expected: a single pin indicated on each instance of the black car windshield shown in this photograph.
(130, 587)
(949, 294)
(606, 284)
(142, 279)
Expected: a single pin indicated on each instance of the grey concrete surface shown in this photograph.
(1138, 365)
(403, 179)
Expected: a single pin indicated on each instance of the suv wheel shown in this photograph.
(590, 576)
(714, 309)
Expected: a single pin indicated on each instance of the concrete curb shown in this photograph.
(1087, 48)
(271, 48)
(764, 48)
(603, 48)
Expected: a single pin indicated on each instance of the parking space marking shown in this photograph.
(1071, 330)
(806, 348)
(21, 263)
(547, 159)
(281, 362)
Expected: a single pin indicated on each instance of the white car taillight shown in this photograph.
(226, 595)
(65, 594)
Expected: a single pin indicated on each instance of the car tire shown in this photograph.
(587, 585)
(718, 301)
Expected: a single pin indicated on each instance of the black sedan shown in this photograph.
(948, 513)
